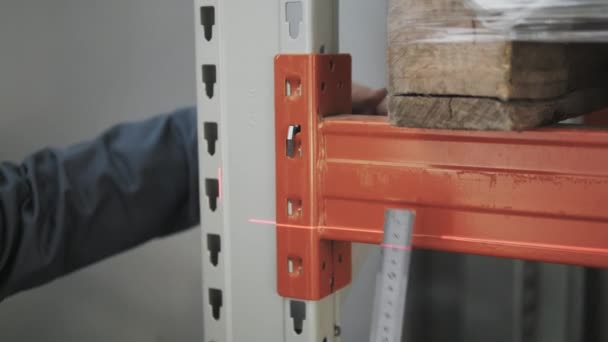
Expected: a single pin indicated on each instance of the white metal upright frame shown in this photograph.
(236, 42)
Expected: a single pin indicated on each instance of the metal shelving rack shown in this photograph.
(236, 42)
(270, 209)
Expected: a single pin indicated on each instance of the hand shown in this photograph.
(369, 101)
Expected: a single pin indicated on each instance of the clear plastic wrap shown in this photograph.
(567, 21)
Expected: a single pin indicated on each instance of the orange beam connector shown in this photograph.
(537, 195)
(307, 87)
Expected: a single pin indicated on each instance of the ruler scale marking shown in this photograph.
(392, 280)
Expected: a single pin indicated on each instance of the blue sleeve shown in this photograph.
(64, 209)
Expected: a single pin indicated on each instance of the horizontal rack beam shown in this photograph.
(536, 195)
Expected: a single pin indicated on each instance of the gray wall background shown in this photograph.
(68, 70)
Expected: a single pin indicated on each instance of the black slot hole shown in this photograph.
(212, 190)
(216, 302)
(214, 247)
(298, 314)
(210, 135)
(209, 78)
(208, 20)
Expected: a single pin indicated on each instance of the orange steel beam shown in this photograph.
(537, 195)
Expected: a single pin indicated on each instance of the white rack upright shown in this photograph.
(236, 42)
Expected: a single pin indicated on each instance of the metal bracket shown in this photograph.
(308, 267)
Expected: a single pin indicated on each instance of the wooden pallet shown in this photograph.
(484, 84)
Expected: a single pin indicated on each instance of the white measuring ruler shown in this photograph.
(391, 285)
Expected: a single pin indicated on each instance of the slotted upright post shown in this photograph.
(236, 43)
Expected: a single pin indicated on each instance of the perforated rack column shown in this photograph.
(236, 43)
(209, 96)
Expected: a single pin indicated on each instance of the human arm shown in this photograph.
(64, 209)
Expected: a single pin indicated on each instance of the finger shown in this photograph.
(383, 107)
(376, 103)
(366, 100)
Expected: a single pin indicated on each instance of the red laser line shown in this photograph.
(545, 246)
(269, 222)
(219, 179)
(400, 247)
(534, 245)
(274, 223)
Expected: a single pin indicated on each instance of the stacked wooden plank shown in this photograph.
(447, 71)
